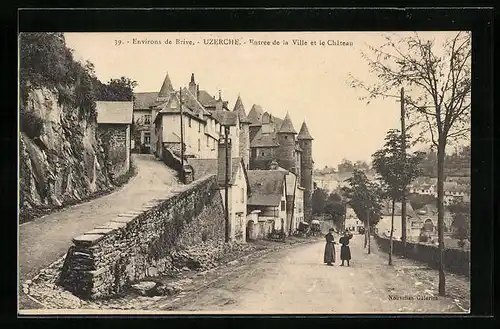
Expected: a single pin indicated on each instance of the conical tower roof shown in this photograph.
(240, 110)
(255, 115)
(287, 126)
(166, 88)
(304, 132)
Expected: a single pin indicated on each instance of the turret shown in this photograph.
(166, 89)
(286, 138)
(307, 166)
(193, 87)
(244, 140)
(255, 118)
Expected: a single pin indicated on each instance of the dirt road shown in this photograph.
(46, 239)
(296, 281)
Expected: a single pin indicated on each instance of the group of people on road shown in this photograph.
(345, 251)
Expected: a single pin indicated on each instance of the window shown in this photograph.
(147, 138)
(199, 127)
(262, 154)
(147, 119)
(242, 195)
(282, 205)
(190, 122)
(199, 145)
(208, 142)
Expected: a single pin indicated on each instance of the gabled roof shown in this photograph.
(172, 106)
(166, 87)
(205, 167)
(304, 132)
(387, 209)
(143, 101)
(206, 99)
(265, 140)
(191, 102)
(255, 115)
(240, 110)
(226, 118)
(287, 126)
(267, 187)
(114, 112)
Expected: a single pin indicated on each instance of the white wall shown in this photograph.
(237, 204)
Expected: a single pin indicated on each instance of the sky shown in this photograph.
(310, 82)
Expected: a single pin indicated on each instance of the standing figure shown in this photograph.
(329, 256)
(345, 251)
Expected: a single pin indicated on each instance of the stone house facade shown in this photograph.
(238, 189)
(114, 121)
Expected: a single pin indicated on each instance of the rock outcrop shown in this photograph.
(60, 158)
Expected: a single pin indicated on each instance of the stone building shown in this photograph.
(268, 196)
(114, 120)
(238, 189)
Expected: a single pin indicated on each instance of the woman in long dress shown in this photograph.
(329, 256)
(345, 251)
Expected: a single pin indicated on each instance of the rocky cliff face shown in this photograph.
(60, 158)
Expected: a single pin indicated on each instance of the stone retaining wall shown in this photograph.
(455, 260)
(138, 244)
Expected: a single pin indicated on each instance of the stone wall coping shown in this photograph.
(88, 240)
(95, 235)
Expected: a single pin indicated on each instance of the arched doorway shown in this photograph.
(249, 231)
(429, 225)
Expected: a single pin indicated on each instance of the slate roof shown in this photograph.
(266, 186)
(287, 126)
(255, 115)
(206, 99)
(304, 132)
(166, 87)
(114, 112)
(264, 140)
(205, 167)
(191, 102)
(387, 209)
(240, 109)
(143, 101)
(171, 106)
(226, 118)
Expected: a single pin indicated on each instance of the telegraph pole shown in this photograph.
(226, 133)
(368, 222)
(403, 146)
(182, 136)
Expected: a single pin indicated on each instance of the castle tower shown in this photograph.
(255, 118)
(166, 90)
(193, 87)
(285, 153)
(244, 139)
(307, 164)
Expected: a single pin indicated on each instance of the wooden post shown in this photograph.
(368, 221)
(403, 196)
(182, 136)
(226, 133)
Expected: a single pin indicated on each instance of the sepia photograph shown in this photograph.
(244, 172)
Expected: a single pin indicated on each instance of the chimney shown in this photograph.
(221, 161)
(273, 165)
(218, 104)
(198, 92)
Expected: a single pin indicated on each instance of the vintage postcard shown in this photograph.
(244, 173)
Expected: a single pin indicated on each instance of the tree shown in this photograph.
(361, 165)
(396, 170)
(460, 213)
(319, 197)
(364, 198)
(335, 207)
(345, 166)
(437, 81)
